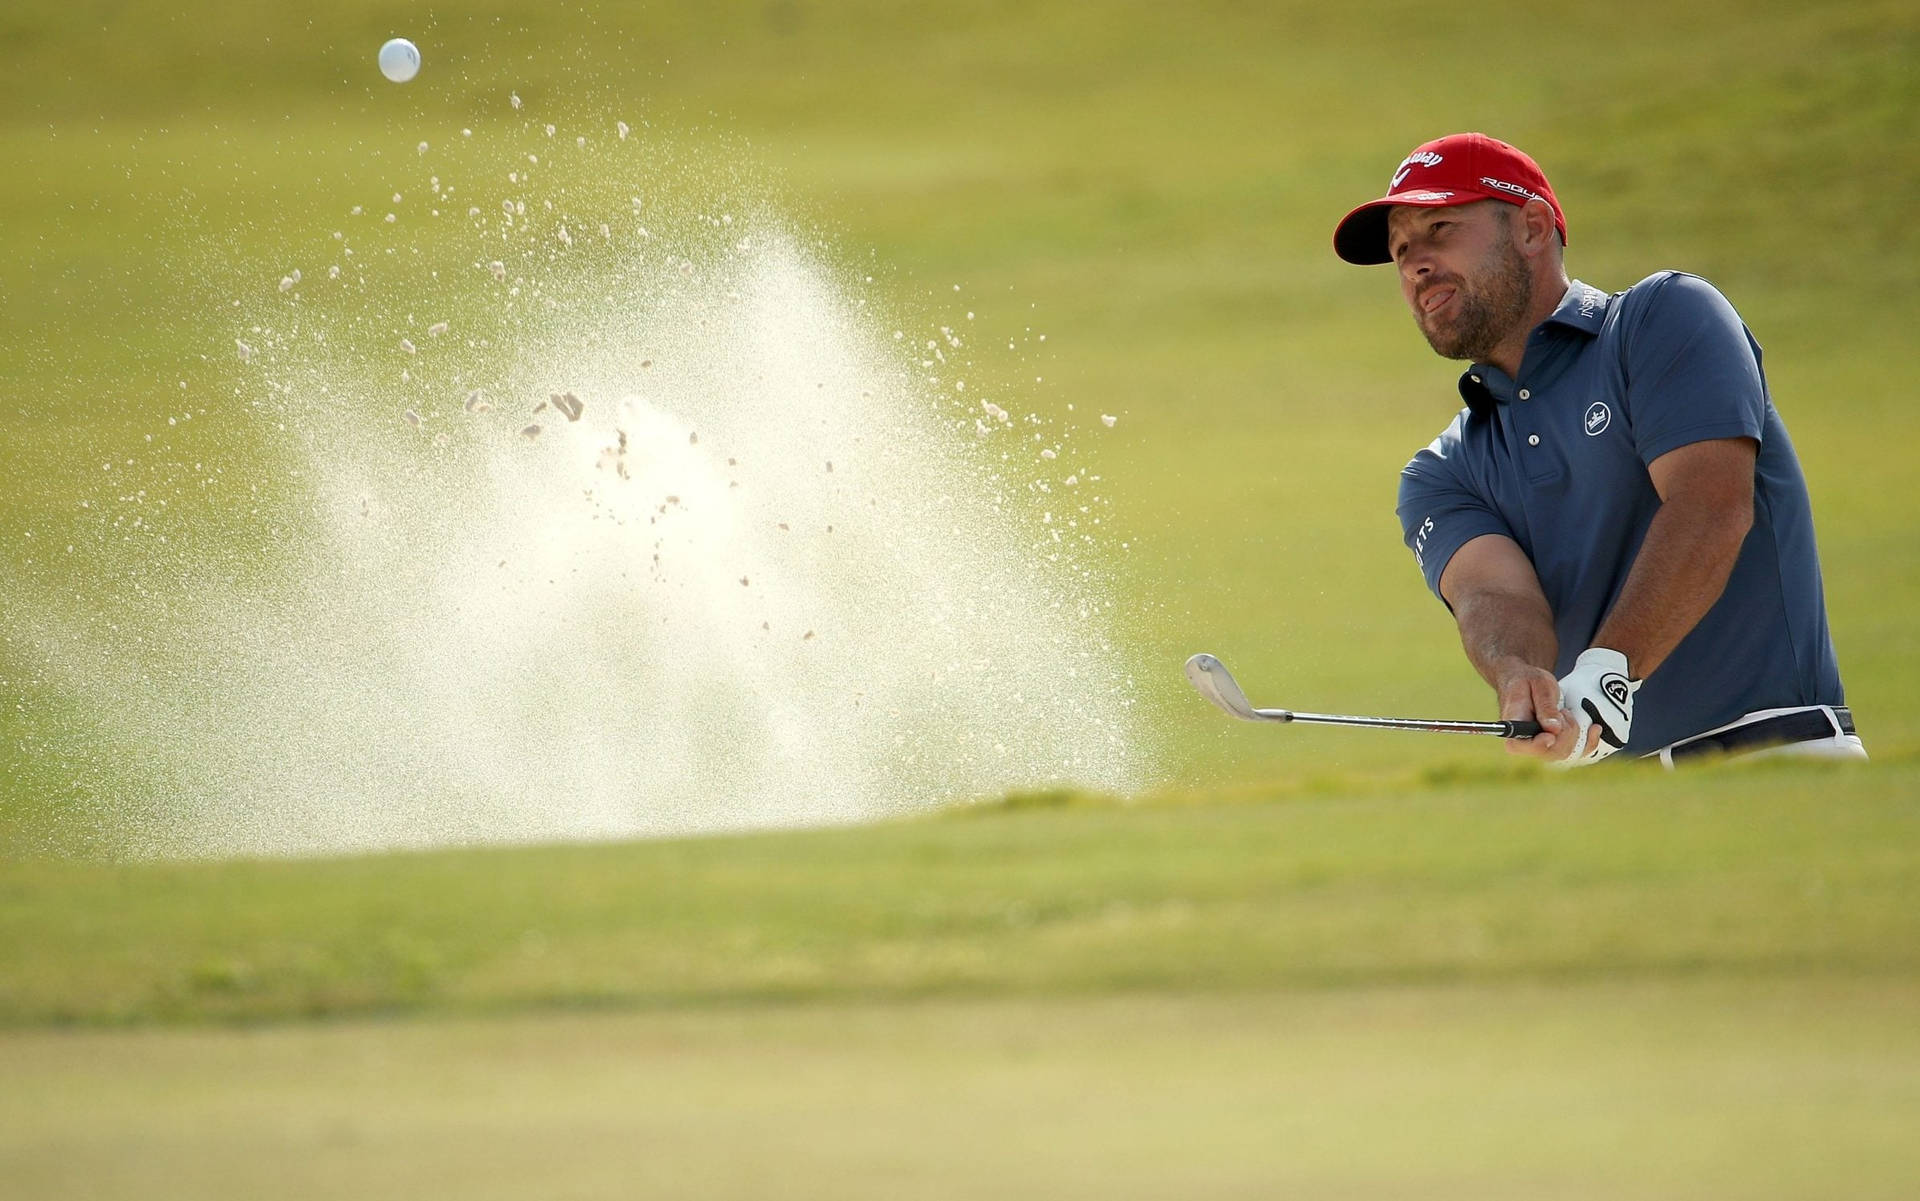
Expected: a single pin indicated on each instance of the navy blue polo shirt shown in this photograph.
(1557, 461)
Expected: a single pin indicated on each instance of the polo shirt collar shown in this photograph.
(1583, 309)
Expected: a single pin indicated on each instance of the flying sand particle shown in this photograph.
(1107, 420)
(530, 432)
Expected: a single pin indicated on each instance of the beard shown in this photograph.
(1486, 306)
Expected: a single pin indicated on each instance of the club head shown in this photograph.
(1211, 679)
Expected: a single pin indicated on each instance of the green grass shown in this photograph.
(1734, 873)
(1638, 985)
(1318, 963)
(1672, 1089)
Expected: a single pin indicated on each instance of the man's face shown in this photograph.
(1467, 283)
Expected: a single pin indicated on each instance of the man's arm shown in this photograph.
(1506, 625)
(1706, 509)
(1506, 628)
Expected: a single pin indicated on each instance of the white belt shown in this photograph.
(1809, 725)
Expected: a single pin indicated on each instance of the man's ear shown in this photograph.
(1537, 230)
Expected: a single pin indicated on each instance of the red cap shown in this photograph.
(1457, 169)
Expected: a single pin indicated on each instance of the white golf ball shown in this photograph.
(399, 60)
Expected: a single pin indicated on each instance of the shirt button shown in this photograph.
(1474, 378)
(1525, 395)
(1533, 439)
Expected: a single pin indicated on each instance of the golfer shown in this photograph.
(1617, 519)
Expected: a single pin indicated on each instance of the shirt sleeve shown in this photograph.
(1440, 510)
(1693, 371)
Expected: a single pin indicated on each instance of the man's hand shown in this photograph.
(1530, 694)
(1598, 697)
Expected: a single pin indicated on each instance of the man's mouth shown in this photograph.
(1436, 299)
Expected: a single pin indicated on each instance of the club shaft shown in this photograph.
(1213, 681)
(1504, 729)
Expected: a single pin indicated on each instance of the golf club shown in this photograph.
(1211, 678)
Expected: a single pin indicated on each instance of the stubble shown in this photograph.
(1486, 306)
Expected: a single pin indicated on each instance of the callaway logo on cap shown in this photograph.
(1460, 168)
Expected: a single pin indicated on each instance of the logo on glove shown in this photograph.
(1599, 695)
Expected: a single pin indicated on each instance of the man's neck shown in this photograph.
(1511, 353)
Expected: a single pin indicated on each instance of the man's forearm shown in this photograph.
(1681, 570)
(1506, 628)
(1502, 631)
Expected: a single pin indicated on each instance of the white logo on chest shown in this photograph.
(1599, 416)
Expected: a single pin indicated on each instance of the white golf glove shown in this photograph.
(1597, 692)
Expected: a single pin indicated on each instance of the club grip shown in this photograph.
(1521, 729)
